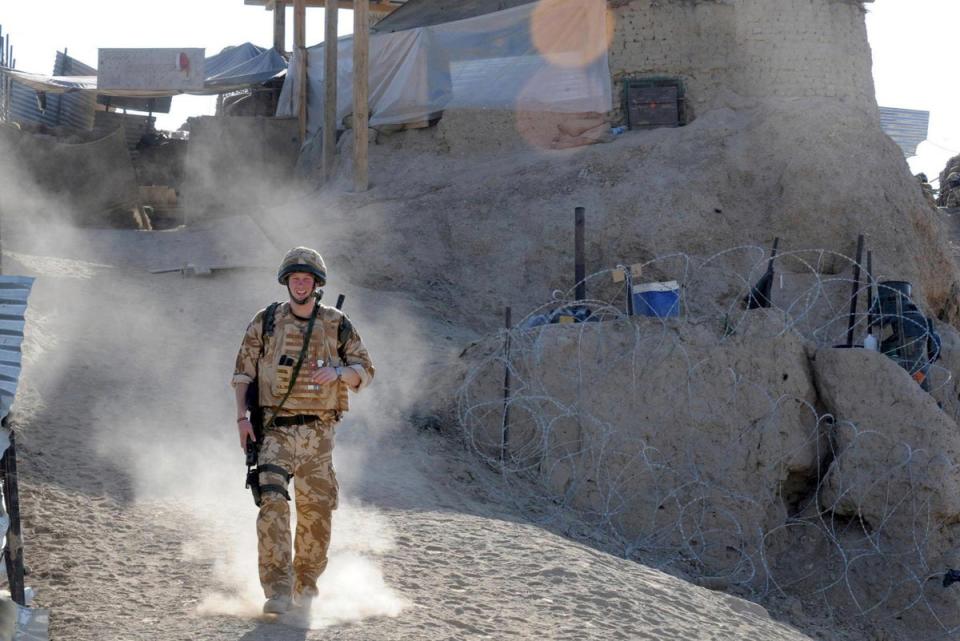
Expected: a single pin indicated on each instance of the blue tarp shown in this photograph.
(246, 64)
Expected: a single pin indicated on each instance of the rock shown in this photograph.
(892, 440)
(892, 495)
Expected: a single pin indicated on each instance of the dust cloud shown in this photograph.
(145, 360)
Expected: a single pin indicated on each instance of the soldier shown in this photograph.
(298, 435)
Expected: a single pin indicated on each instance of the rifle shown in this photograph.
(252, 397)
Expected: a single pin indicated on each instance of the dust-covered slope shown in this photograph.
(473, 225)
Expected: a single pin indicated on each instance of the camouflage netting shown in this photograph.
(737, 447)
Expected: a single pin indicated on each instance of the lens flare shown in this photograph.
(569, 34)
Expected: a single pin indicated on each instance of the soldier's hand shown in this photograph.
(245, 428)
(323, 376)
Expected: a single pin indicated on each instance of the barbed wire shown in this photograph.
(699, 442)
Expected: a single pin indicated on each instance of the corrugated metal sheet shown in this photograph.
(23, 105)
(14, 292)
(424, 13)
(67, 110)
(73, 110)
(68, 66)
(907, 127)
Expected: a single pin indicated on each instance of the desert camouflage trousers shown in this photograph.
(306, 453)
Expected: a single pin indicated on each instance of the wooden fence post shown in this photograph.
(361, 110)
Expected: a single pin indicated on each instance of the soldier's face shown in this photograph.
(300, 285)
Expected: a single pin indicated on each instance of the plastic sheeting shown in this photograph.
(409, 80)
(32, 624)
(547, 56)
(52, 84)
(233, 68)
(243, 65)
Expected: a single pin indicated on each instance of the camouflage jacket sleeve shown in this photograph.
(245, 369)
(358, 358)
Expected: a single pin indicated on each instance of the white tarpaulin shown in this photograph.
(408, 80)
(545, 56)
(32, 624)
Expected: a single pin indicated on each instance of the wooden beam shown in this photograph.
(300, 46)
(330, 46)
(361, 88)
(280, 26)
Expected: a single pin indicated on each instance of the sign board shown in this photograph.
(151, 69)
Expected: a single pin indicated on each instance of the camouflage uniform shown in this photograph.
(304, 451)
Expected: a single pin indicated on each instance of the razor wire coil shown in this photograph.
(658, 498)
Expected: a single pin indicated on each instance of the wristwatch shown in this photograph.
(339, 371)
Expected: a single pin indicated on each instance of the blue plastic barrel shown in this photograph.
(661, 300)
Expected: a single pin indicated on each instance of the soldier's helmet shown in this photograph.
(303, 259)
(954, 179)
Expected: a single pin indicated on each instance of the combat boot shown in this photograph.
(276, 605)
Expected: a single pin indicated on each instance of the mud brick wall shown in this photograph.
(753, 48)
